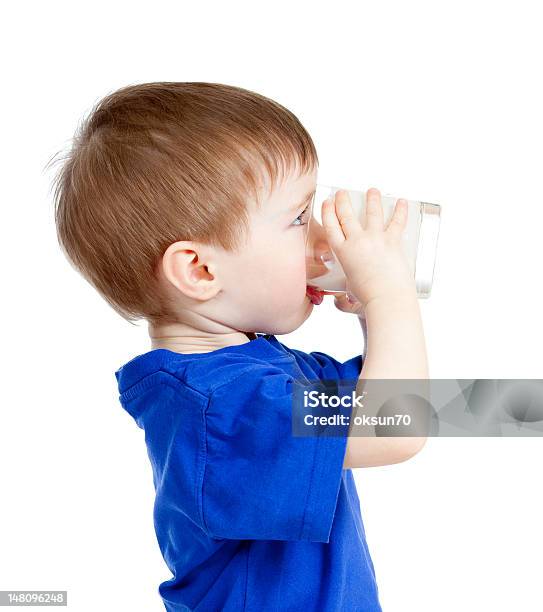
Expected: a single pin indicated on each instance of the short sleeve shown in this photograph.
(260, 481)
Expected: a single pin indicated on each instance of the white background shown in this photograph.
(425, 100)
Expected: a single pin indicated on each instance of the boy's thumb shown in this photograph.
(346, 302)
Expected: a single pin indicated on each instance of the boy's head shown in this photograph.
(181, 202)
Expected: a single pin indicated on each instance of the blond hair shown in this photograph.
(155, 163)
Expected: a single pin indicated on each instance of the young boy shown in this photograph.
(186, 204)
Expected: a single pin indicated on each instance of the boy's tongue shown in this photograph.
(314, 295)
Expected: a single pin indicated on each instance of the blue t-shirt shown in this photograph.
(248, 517)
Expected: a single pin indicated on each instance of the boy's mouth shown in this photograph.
(315, 295)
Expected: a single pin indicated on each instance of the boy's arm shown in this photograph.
(395, 348)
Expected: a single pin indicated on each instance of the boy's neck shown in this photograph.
(182, 338)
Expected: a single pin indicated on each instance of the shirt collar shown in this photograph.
(264, 346)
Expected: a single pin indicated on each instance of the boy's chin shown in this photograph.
(295, 322)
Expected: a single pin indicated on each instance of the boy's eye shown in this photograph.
(300, 218)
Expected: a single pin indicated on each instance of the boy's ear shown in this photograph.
(186, 265)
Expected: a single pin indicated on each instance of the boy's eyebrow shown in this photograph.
(303, 202)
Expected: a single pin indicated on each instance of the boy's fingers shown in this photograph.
(398, 221)
(343, 303)
(330, 222)
(374, 210)
(346, 215)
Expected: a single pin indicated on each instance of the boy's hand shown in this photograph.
(370, 255)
